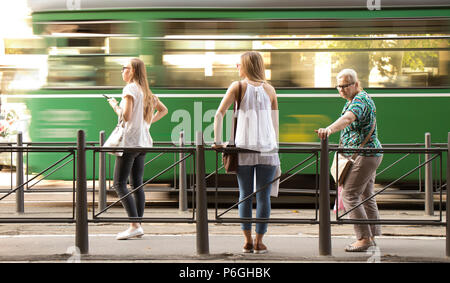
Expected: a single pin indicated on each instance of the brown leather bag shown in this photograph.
(230, 159)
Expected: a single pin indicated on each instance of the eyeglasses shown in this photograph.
(124, 68)
(344, 86)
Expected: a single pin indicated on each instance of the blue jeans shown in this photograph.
(264, 175)
(130, 163)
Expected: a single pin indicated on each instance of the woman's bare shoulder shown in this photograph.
(270, 89)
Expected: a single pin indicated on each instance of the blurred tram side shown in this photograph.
(400, 51)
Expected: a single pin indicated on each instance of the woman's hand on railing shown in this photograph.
(323, 133)
(218, 146)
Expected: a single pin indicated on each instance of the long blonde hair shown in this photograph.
(140, 78)
(253, 66)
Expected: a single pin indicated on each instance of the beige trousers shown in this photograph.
(359, 185)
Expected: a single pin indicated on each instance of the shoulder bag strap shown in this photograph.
(238, 100)
(120, 120)
(366, 139)
(237, 105)
(369, 135)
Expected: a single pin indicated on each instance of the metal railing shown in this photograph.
(189, 151)
(437, 153)
(200, 216)
(104, 169)
(21, 184)
(200, 212)
(312, 154)
(324, 188)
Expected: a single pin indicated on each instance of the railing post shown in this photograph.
(429, 203)
(201, 202)
(182, 194)
(324, 202)
(81, 233)
(19, 177)
(102, 174)
(447, 201)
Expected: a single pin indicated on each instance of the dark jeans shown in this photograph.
(130, 163)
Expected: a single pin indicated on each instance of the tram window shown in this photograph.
(86, 27)
(85, 71)
(316, 66)
(303, 27)
(22, 62)
(87, 53)
(306, 54)
(203, 53)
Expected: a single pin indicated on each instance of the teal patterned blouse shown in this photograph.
(354, 134)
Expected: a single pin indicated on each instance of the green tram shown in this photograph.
(401, 53)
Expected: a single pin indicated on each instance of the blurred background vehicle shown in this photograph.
(400, 52)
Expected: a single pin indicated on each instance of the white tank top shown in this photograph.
(137, 130)
(255, 129)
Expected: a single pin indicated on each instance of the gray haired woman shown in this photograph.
(358, 121)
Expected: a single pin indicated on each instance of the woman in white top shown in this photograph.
(257, 129)
(137, 109)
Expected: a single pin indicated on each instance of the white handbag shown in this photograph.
(344, 163)
(116, 139)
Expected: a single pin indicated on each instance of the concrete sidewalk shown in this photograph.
(176, 242)
(223, 248)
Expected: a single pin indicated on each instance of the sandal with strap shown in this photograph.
(364, 248)
(248, 248)
(260, 249)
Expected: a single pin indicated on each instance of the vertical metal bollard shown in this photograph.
(81, 233)
(20, 199)
(447, 201)
(429, 203)
(102, 174)
(201, 201)
(182, 194)
(324, 202)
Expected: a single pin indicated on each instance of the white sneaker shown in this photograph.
(130, 233)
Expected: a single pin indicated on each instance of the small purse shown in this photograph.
(116, 139)
(230, 159)
(344, 163)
